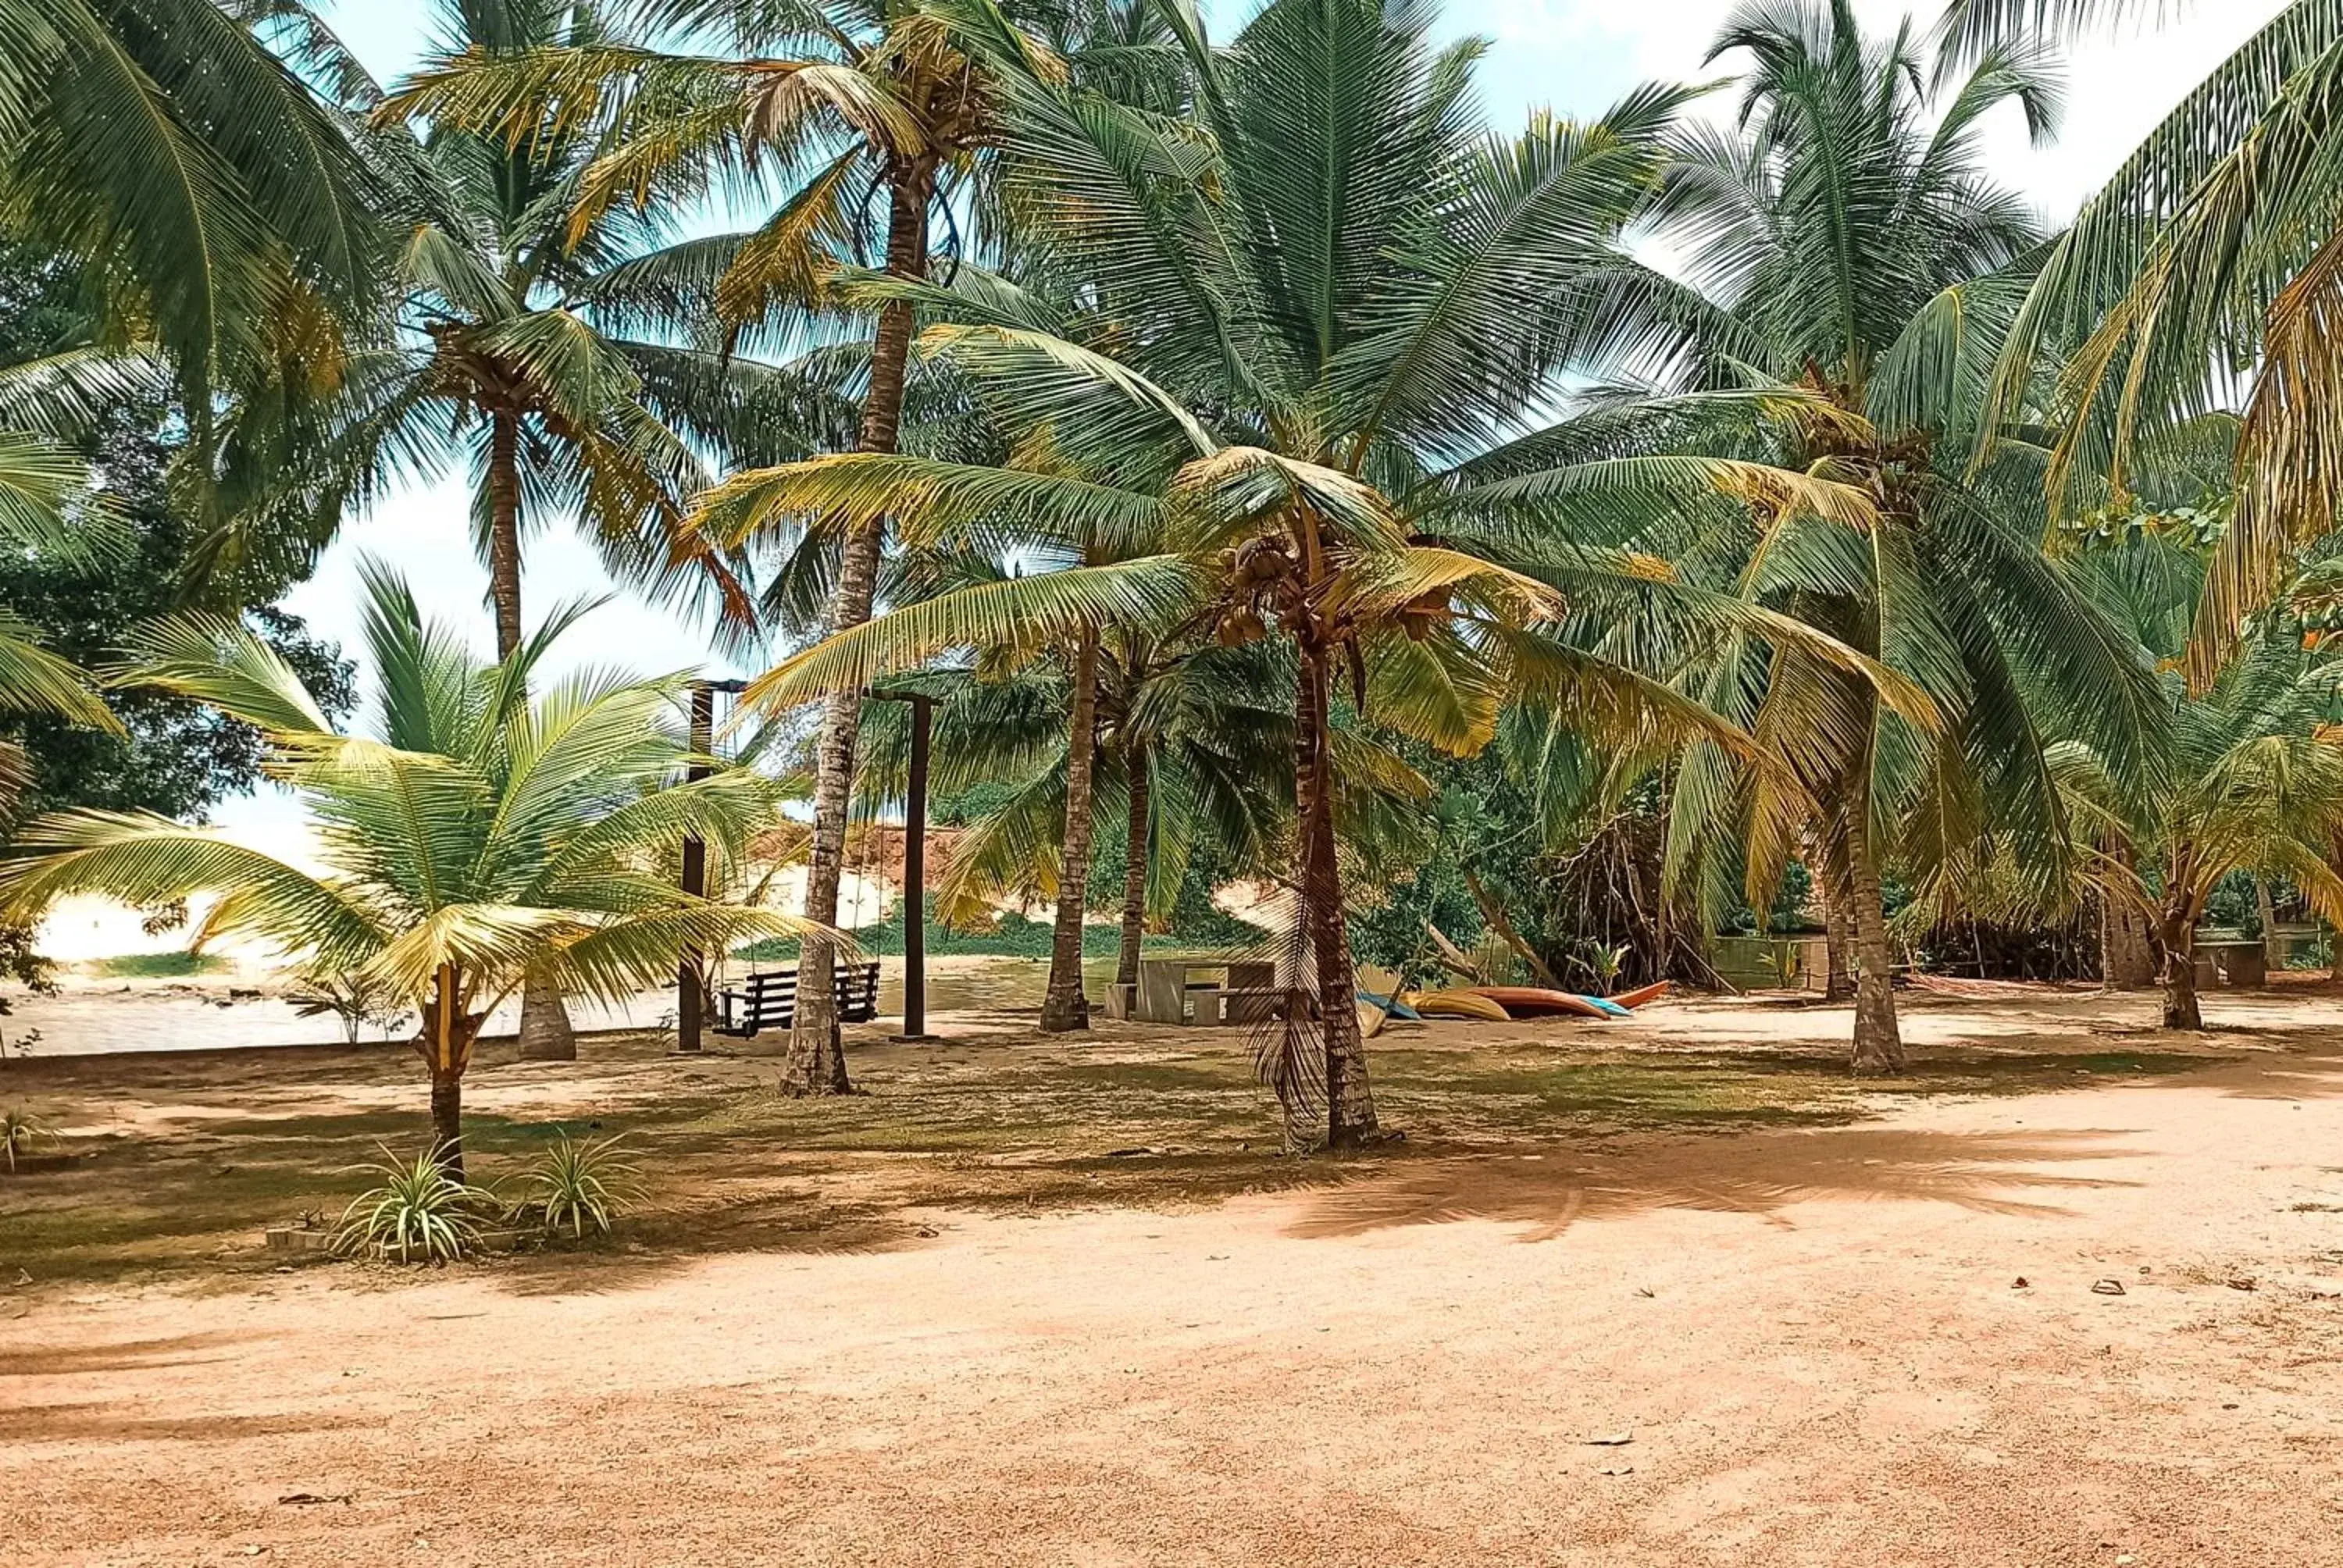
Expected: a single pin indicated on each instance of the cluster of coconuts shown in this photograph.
(1253, 568)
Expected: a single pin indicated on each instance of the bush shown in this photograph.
(576, 1187)
(419, 1214)
(19, 1131)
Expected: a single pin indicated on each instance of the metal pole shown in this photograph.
(690, 988)
(915, 866)
(915, 876)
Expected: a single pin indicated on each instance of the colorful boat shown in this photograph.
(1457, 1004)
(1533, 1001)
(1631, 999)
(1537, 1002)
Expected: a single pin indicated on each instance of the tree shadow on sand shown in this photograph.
(1758, 1175)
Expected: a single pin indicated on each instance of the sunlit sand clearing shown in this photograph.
(1048, 1303)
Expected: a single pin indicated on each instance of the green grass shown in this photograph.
(159, 966)
(729, 1163)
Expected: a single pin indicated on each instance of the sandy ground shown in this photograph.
(1874, 1342)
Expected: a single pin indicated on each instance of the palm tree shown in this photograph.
(2251, 767)
(42, 485)
(863, 99)
(183, 151)
(481, 836)
(540, 352)
(2210, 264)
(1329, 309)
(1845, 243)
(1189, 741)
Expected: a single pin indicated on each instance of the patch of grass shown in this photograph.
(159, 966)
(727, 1162)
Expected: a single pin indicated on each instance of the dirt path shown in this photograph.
(1814, 1338)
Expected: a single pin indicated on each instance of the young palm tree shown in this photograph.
(2251, 767)
(1328, 309)
(2210, 264)
(1845, 243)
(1188, 743)
(482, 835)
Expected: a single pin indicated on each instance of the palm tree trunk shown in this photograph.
(504, 529)
(2181, 1009)
(2176, 926)
(2127, 958)
(1838, 926)
(545, 1034)
(447, 1123)
(447, 1048)
(1064, 1008)
(1350, 1104)
(2273, 950)
(1135, 866)
(1878, 1043)
(815, 1055)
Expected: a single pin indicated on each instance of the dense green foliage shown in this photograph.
(174, 756)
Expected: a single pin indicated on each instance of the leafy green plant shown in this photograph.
(419, 1214)
(19, 1131)
(160, 966)
(578, 1187)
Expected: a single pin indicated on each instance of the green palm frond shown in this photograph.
(1150, 590)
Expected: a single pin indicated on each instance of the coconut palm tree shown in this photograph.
(543, 353)
(1327, 308)
(47, 509)
(859, 101)
(1189, 742)
(483, 833)
(2208, 268)
(1844, 241)
(2251, 765)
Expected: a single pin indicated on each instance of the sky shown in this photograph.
(1575, 56)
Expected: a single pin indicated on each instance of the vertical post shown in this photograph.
(915, 875)
(691, 986)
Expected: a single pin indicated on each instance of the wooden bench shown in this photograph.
(770, 1000)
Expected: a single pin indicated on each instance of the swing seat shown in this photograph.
(770, 999)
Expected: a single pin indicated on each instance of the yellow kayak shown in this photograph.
(1456, 1004)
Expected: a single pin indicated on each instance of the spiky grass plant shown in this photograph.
(19, 1131)
(580, 1186)
(418, 1214)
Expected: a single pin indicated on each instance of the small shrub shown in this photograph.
(416, 1215)
(578, 1187)
(19, 1131)
(352, 997)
